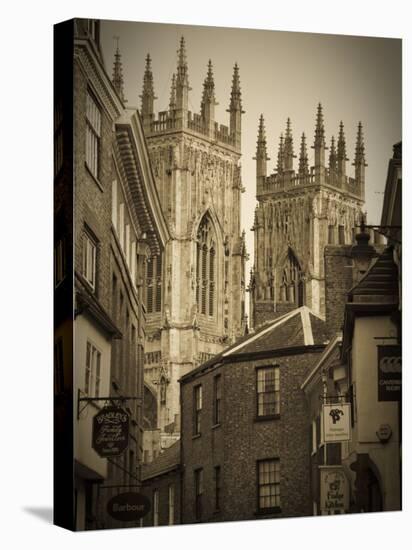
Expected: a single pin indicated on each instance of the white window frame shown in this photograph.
(127, 244)
(314, 437)
(121, 225)
(93, 135)
(133, 262)
(93, 368)
(89, 260)
(156, 507)
(171, 504)
(114, 204)
(267, 489)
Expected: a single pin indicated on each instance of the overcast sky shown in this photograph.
(282, 74)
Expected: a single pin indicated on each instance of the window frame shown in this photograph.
(93, 370)
(171, 504)
(217, 399)
(154, 284)
(88, 239)
(276, 391)
(217, 471)
(206, 268)
(155, 507)
(277, 507)
(197, 410)
(93, 136)
(198, 486)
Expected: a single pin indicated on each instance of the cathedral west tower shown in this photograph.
(195, 291)
(299, 212)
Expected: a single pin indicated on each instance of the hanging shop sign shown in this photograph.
(128, 506)
(334, 490)
(389, 373)
(336, 422)
(110, 436)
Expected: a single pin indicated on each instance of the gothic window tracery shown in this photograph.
(291, 287)
(154, 284)
(206, 268)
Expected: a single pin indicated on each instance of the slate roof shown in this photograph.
(297, 328)
(163, 463)
(300, 327)
(380, 282)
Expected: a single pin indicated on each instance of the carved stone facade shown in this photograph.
(297, 215)
(195, 299)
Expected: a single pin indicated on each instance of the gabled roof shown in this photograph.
(299, 328)
(380, 282)
(330, 353)
(163, 463)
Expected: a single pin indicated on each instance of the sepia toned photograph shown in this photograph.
(227, 274)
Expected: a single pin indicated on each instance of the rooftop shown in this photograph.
(164, 463)
(293, 331)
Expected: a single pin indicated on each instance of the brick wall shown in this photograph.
(241, 440)
(161, 484)
(92, 197)
(338, 281)
(93, 209)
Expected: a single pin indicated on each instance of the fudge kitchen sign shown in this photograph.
(334, 489)
(336, 422)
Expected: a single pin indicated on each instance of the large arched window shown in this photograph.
(206, 268)
(291, 284)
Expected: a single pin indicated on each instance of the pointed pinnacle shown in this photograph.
(288, 146)
(303, 157)
(261, 150)
(360, 146)
(261, 132)
(209, 86)
(148, 89)
(235, 94)
(320, 128)
(341, 149)
(332, 154)
(182, 77)
(172, 102)
(117, 75)
(281, 156)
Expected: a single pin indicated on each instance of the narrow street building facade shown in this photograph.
(362, 367)
(118, 224)
(245, 445)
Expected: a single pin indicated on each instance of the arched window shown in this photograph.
(291, 287)
(206, 268)
(154, 284)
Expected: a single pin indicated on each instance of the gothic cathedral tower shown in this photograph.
(195, 291)
(298, 214)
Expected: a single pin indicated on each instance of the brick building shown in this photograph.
(362, 366)
(245, 444)
(161, 484)
(117, 225)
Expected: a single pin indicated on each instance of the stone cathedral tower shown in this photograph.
(195, 291)
(298, 214)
